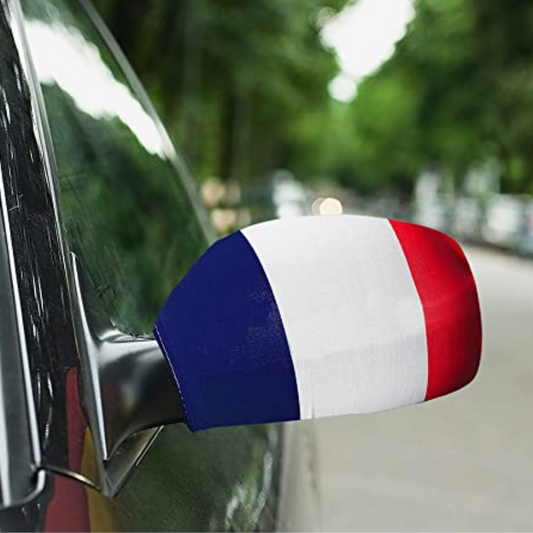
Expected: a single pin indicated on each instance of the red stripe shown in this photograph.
(69, 509)
(449, 299)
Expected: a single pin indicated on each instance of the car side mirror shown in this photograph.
(288, 320)
(320, 316)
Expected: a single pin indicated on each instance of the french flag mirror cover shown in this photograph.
(321, 316)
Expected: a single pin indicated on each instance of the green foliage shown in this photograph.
(243, 86)
(454, 94)
(229, 76)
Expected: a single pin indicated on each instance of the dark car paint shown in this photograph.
(221, 479)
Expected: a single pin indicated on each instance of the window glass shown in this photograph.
(125, 212)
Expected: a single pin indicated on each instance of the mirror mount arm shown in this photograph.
(126, 381)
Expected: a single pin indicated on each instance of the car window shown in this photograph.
(125, 212)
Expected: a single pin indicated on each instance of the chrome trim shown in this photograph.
(19, 459)
(20, 454)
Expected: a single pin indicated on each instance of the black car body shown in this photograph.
(87, 169)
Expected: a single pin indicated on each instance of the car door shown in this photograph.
(108, 187)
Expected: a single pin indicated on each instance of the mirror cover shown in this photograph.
(320, 316)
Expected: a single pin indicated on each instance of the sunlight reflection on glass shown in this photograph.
(83, 74)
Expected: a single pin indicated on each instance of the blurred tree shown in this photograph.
(506, 32)
(243, 87)
(453, 94)
(229, 76)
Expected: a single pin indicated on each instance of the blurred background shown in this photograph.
(419, 110)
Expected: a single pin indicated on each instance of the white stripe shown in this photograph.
(353, 318)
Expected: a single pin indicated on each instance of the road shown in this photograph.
(462, 463)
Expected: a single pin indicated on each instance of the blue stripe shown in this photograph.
(223, 336)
